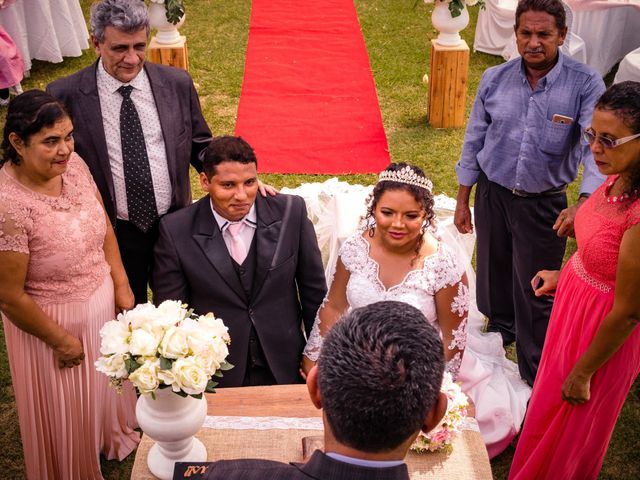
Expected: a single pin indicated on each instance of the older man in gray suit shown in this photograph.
(137, 126)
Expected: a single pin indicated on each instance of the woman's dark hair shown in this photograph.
(29, 113)
(623, 100)
(423, 196)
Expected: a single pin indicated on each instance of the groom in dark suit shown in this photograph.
(138, 126)
(253, 261)
(378, 382)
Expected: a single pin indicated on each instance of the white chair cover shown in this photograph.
(495, 26)
(629, 68)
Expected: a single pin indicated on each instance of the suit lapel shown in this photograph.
(91, 120)
(268, 236)
(167, 115)
(208, 236)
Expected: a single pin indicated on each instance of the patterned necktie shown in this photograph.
(141, 201)
(238, 248)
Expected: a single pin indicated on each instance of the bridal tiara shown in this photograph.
(406, 175)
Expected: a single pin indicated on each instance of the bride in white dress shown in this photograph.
(396, 257)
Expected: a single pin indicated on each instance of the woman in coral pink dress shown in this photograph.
(591, 356)
(59, 264)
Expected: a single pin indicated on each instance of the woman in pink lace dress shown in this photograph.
(591, 356)
(60, 263)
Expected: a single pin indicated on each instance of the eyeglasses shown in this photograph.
(590, 136)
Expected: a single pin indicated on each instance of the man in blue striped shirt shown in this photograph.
(522, 147)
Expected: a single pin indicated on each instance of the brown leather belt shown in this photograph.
(546, 193)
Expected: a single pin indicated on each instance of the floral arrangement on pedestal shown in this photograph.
(164, 347)
(441, 438)
(174, 9)
(457, 6)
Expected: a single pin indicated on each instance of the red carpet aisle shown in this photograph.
(308, 102)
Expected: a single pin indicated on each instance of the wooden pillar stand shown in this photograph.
(175, 54)
(448, 85)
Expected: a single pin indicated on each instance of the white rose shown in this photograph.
(112, 365)
(172, 309)
(143, 343)
(220, 349)
(471, 3)
(142, 315)
(214, 326)
(208, 360)
(198, 338)
(174, 343)
(168, 378)
(190, 376)
(115, 337)
(145, 378)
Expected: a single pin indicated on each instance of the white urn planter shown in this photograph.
(167, 33)
(448, 26)
(172, 421)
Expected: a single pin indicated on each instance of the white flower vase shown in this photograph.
(172, 421)
(448, 26)
(166, 32)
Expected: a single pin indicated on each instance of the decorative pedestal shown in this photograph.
(175, 54)
(449, 73)
(172, 421)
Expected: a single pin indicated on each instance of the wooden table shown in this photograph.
(469, 459)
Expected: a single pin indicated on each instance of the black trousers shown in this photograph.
(136, 250)
(515, 240)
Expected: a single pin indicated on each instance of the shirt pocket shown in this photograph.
(556, 137)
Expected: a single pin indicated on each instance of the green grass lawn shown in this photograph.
(397, 34)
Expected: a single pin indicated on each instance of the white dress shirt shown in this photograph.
(247, 233)
(142, 97)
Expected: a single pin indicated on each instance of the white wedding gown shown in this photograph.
(485, 374)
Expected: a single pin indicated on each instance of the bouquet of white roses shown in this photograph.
(164, 346)
(442, 437)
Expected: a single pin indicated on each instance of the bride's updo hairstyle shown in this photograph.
(402, 176)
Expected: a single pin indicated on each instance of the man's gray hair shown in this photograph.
(126, 15)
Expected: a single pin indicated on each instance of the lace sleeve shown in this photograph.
(314, 343)
(13, 231)
(460, 308)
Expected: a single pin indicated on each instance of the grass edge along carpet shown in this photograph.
(308, 101)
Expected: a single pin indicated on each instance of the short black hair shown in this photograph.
(29, 113)
(555, 8)
(379, 373)
(226, 148)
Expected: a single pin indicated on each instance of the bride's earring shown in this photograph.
(372, 231)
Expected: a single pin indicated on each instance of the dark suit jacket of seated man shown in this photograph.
(378, 382)
(268, 298)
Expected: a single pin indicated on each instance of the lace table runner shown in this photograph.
(285, 423)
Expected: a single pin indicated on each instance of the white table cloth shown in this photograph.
(629, 68)
(46, 29)
(609, 29)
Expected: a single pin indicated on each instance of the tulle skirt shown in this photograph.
(560, 440)
(69, 416)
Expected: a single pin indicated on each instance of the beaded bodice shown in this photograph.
(600, 224)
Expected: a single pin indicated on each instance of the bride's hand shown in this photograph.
(305, 366)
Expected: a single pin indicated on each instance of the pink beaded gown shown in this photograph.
(560, 440)
(67, 416)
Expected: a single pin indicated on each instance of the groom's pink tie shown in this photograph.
(238, 248)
